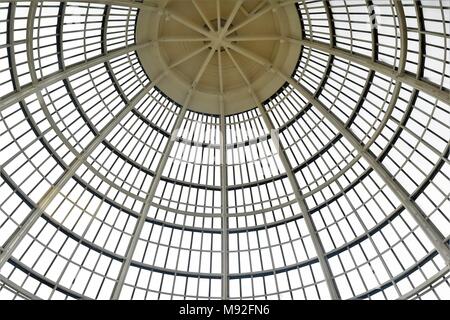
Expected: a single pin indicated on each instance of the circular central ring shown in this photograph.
(233, 72)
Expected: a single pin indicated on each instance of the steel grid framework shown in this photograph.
(337, 187)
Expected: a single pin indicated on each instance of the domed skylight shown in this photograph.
(225, 149)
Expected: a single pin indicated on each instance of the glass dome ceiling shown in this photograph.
(119, 183)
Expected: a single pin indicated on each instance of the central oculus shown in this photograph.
(223, 52)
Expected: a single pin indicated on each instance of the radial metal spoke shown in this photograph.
(202, 14)
(220, 72)
(231, 17)
(251, 55)
(18, 288)
(256, 15)
(258, 7)
(14, 240)
(244, 11)
(182, 39)
(154, 184)
(433, 234)
(224, 185)
(318, 246)
(250, 19)
(390, 71)
(218, 15)
(257, 38)
(188, 57)
(194, 27)
(224, 201)
(30, 89)
(148, 201)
